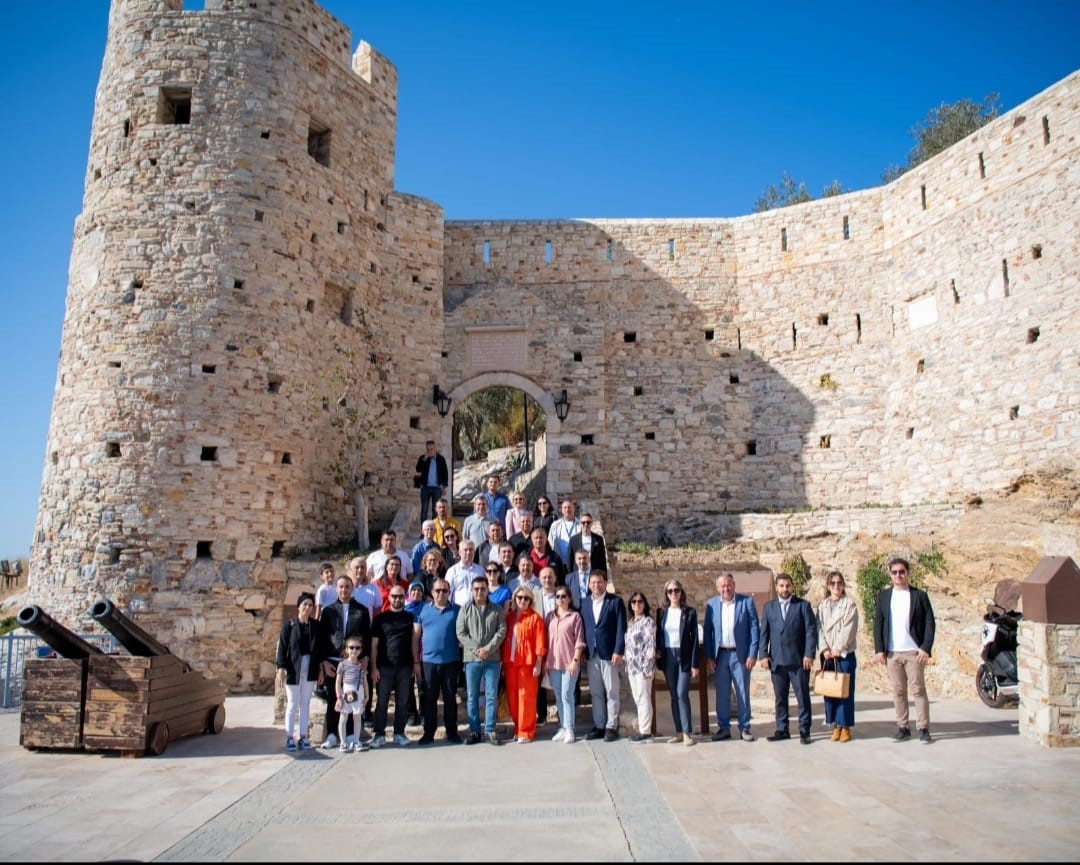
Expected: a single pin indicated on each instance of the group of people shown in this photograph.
(489, 603)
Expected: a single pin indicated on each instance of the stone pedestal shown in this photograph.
(1049, 667)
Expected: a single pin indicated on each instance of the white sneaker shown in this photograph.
(331, 742)
(401, 740)
(568, 737)
(560, 734)
(378, 741)
(344, 748)
(351, 741)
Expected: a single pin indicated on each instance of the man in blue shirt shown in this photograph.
(441, 659)
(498, 503)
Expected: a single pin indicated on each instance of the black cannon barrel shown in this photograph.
(45, 627)
(127, 633)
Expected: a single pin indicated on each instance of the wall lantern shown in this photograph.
(442, 400)
(562, 406)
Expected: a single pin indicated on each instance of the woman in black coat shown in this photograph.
(299, 665)
(677, 651)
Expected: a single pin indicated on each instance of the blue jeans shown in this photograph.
(489, 671)
(428, 497)
(730, 671)
(563, 684)
(678, 682)
(841, 713)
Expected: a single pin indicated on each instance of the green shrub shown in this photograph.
(639, 547)
(795, 566)
(8, 623)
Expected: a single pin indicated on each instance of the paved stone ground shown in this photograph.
(979, 792)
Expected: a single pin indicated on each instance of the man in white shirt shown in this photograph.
(461, 575)
(376, 562)
(903, 637)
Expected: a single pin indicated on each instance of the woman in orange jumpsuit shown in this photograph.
(523, 653)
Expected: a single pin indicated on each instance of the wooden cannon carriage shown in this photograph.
(134, 704)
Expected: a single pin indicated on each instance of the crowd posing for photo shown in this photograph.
(513, 609)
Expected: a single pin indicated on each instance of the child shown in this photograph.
(350, 692)
(327, 593)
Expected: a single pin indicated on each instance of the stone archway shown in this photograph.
(554, 436)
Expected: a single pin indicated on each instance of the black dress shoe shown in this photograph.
(721, 735)
(453, 740)
(595, 733)
(426, 740)
(611, 735)
(804, 736)
(472, 739)
(778, 736)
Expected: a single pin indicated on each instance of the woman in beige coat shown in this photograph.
(838, 626)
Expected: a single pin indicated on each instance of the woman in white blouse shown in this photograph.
(838, 627)
(677, 642)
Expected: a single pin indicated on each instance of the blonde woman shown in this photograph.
(838, 626)
(516, 511)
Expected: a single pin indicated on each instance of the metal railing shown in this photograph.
(16, 648)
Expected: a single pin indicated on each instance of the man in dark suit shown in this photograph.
(344, 619)
(604, 617)
(788, 643)
(591, 543)
(903, 638)
(731, 645)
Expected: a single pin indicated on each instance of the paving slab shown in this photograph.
(979, 791)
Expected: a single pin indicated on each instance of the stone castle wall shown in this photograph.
(244, 277)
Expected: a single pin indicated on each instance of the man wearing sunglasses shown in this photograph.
(903, 638)
(441, 661)
(481, 629)
(395, 659)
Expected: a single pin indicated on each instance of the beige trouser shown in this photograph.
(641, 688)
(907, 674)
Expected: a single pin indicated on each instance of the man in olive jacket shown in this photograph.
(481, 629)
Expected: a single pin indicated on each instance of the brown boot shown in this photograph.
(845, 734)
(835, 733)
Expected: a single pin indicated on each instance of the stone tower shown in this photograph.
(238, 243)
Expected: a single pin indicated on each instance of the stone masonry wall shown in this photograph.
(1049, 668)
(245, 282)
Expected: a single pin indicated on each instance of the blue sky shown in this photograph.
(554, 110)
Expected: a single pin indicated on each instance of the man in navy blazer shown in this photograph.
(731, 647)
(604, 617)
(788, 643)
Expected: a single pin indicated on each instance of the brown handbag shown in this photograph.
(832, 683)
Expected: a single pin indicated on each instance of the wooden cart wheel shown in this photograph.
(215, 721)
(158, 739)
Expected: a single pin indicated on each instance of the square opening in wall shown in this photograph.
(921, 365)
(273, 383)
(208, 454)
(203, 549)
(629, 336)
(577, 357)
(310, 306)
(587, 439)
(909, 432)
(112, 449)
(414, 423)
(318, 142)
(650, 436)
(286, 459)
(174, 106)
(733, 378)
(709, 335)
(1036, 250)
(825, 441)
(209, 368)
(1033, 335)
(823, 318)
(751, 448)
(638, 390)
(1014, 412)
(277, 549)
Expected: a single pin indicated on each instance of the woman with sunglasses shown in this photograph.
(545, 514)
(523, 659)
(678, 639)
(641, 662)
(838, 627)
(450, 552)
(565, 651)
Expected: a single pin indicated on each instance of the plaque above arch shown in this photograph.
(502, 349)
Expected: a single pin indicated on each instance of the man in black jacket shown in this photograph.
(903, 638)
(432, 478)
(345, 618)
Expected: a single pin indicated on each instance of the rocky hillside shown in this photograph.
(1000, 537)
